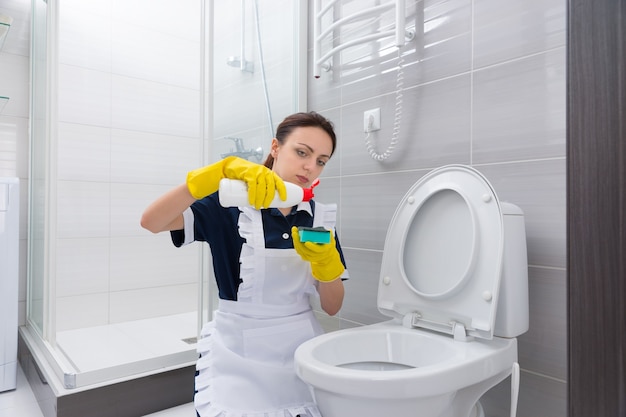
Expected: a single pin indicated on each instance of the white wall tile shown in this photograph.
(84, 152)
(85, 35)
(151, 55)
(128, 201)
(83, 209)
(150, 158)
(84, 96)
(239, 96)
(152, 261)
(181, 19)
(85, 310)
(99, 8)
(82, 266)
(253, 139)
(153, 302)
(153, 107)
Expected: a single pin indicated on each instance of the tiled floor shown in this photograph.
(22, 403)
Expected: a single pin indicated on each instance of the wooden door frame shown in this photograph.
(596, 207)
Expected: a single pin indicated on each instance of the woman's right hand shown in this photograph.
(262, 182)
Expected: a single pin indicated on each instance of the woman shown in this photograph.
(264, 274)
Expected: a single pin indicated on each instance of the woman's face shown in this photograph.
(301, 159)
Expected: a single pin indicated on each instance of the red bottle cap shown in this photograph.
(307, 193)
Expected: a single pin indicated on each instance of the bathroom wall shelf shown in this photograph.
(3, 102)
(5, 25)
(319, 33)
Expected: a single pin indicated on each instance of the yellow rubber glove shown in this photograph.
(262, 182)
(325, 261)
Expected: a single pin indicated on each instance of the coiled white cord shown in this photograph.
(397, 118)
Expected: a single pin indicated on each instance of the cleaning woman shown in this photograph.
(264, 273)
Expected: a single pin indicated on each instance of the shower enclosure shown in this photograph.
(126, 98)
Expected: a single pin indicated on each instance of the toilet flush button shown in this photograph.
(487, 296)
(486, 198)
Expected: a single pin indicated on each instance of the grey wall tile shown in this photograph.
(433, 131)
(443, 40)
(362, 288)
(333, 167)
(441, 48)
(368, 204)
(543, 348)
(329, 192)
(538, 188)
(538, 397)
(369, 69)
(519, 109)
(323, 92)
(505, 30)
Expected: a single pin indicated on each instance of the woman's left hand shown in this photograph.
(325, 261)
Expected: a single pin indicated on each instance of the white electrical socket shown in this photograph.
(371, 120)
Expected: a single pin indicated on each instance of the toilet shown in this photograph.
(454, 282)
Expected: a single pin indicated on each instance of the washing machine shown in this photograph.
(9, 256)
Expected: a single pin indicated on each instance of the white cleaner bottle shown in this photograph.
(234, 193)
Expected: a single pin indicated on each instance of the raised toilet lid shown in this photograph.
(442, 260)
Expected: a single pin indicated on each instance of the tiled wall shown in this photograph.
(128, 129)
(484, 85)
(239, 97)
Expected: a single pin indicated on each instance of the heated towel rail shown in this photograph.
(322, 61)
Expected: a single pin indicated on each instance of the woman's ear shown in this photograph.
(274, 147)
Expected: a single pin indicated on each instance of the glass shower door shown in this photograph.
(122, 108)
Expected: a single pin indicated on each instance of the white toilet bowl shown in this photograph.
(387, 369)
(454, 255)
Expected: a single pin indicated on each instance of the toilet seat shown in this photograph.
(442, 260)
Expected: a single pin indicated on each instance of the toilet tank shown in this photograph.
(512, 312)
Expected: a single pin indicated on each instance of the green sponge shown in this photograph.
(314, 234)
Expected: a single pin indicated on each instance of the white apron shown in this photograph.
(246, 365)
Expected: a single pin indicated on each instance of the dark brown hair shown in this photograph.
(310, 119)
